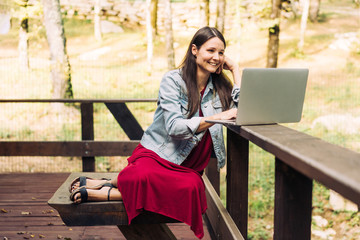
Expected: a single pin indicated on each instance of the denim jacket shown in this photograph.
(172, 135)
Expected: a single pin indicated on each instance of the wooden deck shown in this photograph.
(25, 214)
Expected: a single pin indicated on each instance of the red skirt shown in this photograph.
(154, 184)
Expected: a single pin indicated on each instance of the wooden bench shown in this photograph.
(147, 225)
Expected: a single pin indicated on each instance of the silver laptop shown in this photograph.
(269, 96)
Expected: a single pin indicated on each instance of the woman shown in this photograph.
(164, 172)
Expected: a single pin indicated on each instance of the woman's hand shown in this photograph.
(232, 66)
(228, 64)
(226, 115)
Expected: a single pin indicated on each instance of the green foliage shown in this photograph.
(297, 53)
(22, 9)
(78, 27)
(321, 195)
(260, 231)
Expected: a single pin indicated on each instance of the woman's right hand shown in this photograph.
(226, 115)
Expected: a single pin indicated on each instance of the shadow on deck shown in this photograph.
(25, 213)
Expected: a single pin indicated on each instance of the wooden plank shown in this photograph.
(237, 180)
(67, 148)
(126, 120)
(87, 133)
(293, 203)
(124, 100)
(221, 222)
(96, 213)
(89, 213)
(334, 166)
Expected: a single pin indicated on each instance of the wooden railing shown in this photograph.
(87, 148)
(299, 159)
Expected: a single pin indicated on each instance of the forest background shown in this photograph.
(116, 58)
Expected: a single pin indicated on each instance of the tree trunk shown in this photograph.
(23, 46)
(220, 15)
(205, 12)
(304, 17)
(149, 36)
(274, 32)
(238, 25)
(314, 10)
(97, 20)
(154, 9)
(59, 61)
(169, 36)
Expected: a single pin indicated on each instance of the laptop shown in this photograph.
(270, 96)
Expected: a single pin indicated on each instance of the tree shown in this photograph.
(238, 26)
(274, 32)
(304, 17)
(153, 10)
(169, 36)
(220, 15)
(23, 45)
(59, 61)
(149, 36)
(97, 20)
(205, 12)
(314, 10)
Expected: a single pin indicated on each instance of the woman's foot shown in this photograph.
(105, 193)
(90, 183)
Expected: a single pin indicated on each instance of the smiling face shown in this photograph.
(209, 56)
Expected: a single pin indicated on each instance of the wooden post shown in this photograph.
(213, 174)
(87, 133)
(237, 180)
(293, 201)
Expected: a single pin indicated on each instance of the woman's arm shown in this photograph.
(233, 67)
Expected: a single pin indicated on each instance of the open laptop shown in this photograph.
(269, 96)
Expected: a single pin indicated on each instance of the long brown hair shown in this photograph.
(222, 84)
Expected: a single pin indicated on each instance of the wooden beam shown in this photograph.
(126, 120)
(221, 222)
(237, 180)
(87, 133)
(293, 203)
(67, 148)
(213, 174)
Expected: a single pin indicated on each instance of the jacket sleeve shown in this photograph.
(176, 123)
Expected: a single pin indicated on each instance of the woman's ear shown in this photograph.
(194, 49)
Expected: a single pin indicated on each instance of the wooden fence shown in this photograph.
(299, 159)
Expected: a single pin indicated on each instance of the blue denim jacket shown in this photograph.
(172, 135)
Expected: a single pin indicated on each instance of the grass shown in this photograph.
(334, 88)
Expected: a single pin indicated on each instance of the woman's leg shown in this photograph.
(103, 194)
(93, 183)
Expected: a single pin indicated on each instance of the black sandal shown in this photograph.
(84, 195)
(82, 181)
